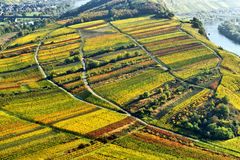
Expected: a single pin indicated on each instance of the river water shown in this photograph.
(79, 3)
(220, 40)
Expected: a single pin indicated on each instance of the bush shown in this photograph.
(145, 95)
(213, 120)
(222, 111)
(222, 133)
(196, 23)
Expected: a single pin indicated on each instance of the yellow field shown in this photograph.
(123, 91)
(86, 24)
(90, 122)
(62, 38)
(161, 37)
(196, 68)
(231, 144)
(62, 31)
(233, 97)
(194, 99)
(11, 125)
(55, 151)
(104, 42)
(30, 38)
(186, 55)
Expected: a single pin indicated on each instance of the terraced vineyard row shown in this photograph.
(186, 57)
(40, 118)
(37, 100)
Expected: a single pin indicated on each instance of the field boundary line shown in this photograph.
(77, 98)
(161, 64)
(218, 67)
(41, 123)
(59, 87)
(157, 60)
(85, 81)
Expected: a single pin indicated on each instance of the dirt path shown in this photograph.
(44, 73)
(138, 119)
(95, 94)
(85, 81)
(218, 67)
(155, 59)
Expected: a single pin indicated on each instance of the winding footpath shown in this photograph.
(85, 81)
(56, 85)
(155, 59)
(44, 73)
(84, 78)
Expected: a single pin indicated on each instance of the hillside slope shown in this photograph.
(186, 6)
(137, 88)
(56, 85)
(97, 9)
(14, 1)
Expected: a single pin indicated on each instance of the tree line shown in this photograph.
(119, 9)
(230, 30)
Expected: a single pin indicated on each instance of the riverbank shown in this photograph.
(216, 37)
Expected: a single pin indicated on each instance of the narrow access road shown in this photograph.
(56, 85)
(138, 119)
(159, 62)
(218, 67)
(161, 65)
(44, 73)
(91, 90)
(85, 81)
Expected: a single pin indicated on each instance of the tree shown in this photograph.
(20, 34)
(222, 111)
(76, 59)
(225, 100)
(218, 132)
(167, 87)
(67, 61)
(73, 53)
(164, 97)
(92, 64)
(160, 90)
(168, 94)
(145, 95)
(180, 89)
(223, 133)
(127, 55)
(196, 23)
(189, 125)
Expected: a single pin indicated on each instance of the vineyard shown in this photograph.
(124, 89)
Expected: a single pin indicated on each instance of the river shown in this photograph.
(220, 40)
(79, 3)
